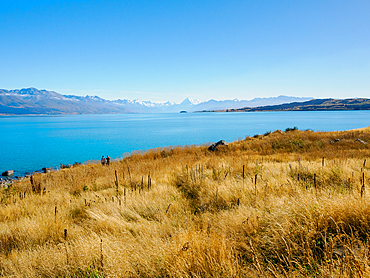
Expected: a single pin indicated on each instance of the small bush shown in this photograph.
(291, 129)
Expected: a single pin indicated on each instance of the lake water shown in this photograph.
(29, 143)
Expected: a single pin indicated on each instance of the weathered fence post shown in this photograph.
(65, 245)
(363, 185)
(129, 173)
(116, 182)
(101, 255)
(148, 181)
(243, 174)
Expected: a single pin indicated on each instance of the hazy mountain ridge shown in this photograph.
(256, 102)
(34, 101)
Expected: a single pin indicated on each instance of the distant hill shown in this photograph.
(312, 105)
(32, 101)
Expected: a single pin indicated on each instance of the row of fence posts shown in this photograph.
(323, 162)
(199, 170)
(362, 180)
(195, 174)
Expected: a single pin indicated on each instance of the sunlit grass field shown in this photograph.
(281, 204)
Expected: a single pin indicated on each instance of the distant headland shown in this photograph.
(311, 105)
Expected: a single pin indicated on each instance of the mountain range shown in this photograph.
(31, 101)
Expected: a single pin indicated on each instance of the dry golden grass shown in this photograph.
(301, 209)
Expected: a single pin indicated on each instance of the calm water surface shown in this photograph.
(29, 143)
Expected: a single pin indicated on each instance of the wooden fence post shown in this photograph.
(243, 174)
(116, 182)
(363, 184)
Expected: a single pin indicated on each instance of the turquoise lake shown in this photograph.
(29, 143)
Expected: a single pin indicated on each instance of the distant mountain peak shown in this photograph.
(191, 101)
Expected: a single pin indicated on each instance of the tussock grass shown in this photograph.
(282, 204)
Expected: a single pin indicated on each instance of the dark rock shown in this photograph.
(214, 146)
(361, 141)
(46, 170)
(8, 173)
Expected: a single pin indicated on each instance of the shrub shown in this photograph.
(291, 129)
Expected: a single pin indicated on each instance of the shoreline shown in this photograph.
(6, 180)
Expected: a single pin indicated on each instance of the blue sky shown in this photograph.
(170, 50)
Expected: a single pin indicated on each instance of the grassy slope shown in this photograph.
(292, 214)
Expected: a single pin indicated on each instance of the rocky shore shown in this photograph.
(9, 176)
(5, 182)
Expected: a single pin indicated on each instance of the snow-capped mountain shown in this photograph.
(34, 101)
(190, 101)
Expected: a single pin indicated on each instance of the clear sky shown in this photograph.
(170, 50)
